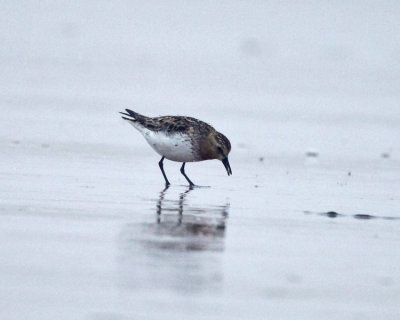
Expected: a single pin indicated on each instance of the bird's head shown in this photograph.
(217, 146)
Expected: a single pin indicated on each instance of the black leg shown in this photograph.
(162, 170)
(184, 174)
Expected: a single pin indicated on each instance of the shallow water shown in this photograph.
(103, 240)
(307, 225)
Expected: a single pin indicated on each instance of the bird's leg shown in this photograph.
(162, 170)
(184, 174)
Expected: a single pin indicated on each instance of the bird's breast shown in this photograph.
(175, 147)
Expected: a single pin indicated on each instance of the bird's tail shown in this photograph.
(132, 116)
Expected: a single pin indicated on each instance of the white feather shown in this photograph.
(175, 147)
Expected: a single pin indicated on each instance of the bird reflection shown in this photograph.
(181, 225)
(197, 227)
(186, 239)
(179, 202)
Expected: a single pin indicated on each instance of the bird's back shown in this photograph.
(176, 124)
(169, 124)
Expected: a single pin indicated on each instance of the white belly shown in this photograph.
(175, 147)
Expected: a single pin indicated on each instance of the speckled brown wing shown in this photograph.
(170, 124)
(178, 124)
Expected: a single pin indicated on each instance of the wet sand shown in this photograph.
(307, 225)
(99, 237)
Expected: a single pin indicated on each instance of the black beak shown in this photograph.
(227, 166)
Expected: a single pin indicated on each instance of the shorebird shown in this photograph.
(181, 139)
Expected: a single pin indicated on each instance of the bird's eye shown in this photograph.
(220, 150)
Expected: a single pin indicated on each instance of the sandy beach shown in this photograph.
(307, 227)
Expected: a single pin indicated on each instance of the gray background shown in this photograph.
(80, 234)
